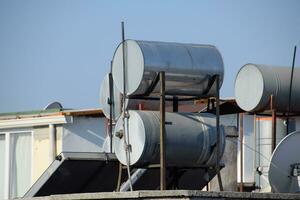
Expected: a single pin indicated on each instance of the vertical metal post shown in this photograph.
(241, 128)
(141, 106)
(218, 131)
(208, 105)
(290, 91)
(273, 129)
(111, 102)
(125, 114)
(273, 110)
(119, 178)
(124, 65)
(162, 132)
(175, 104)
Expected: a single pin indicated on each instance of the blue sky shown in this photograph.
(61, 50)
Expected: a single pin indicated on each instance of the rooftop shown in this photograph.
(51, 112)
(170, 194)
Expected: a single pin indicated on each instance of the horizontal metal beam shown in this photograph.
(35, 121)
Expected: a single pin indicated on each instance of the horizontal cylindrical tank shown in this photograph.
(131, 104)
(188, 67)
(190, 139)
(254, 84)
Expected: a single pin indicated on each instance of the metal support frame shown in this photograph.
(125, 114)
(241, 130)
(162, 134)
(274, 116)
(163, 165)
(216, 102)
(255, 145)
(208, 105)
(175, 104)
(160, 77)
(110, 102)
(217, 79)
(119, 178)
(290, 91)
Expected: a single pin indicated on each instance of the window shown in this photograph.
(15, 172)
(20, 166)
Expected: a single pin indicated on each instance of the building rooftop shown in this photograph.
(171, 194)
(51, 112)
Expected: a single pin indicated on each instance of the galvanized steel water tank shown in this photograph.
(254, 84)
(190, 139)
(188, 67)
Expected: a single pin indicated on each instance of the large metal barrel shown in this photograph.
(188, 67)
(254, 84)
(190, 139)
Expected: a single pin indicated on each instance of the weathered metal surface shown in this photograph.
(280, 170)
(190, 139)
(188, 67)
(255, 84)
(105, 99)
(162, 132)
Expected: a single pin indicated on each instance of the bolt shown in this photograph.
(119, 134)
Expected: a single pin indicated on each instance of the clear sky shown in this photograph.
(61, 50)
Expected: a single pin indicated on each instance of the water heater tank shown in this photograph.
(188, 67)
(190, 139)
(254, 84)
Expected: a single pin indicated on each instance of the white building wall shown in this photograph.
(81, 134)
(248, 151)
(85, 134)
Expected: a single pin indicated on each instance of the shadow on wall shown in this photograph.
(85, 134)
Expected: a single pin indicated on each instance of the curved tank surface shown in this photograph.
(254, 84)
(283, 177)
(188, 67)
(132, 104)
(104, 99)
(190, 139)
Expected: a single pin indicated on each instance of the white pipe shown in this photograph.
(52, 142)
(134, 178)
